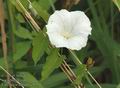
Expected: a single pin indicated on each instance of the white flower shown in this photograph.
(69, 29)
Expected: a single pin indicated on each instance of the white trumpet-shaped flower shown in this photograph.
(69, 29)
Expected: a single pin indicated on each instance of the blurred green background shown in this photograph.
(27, 49)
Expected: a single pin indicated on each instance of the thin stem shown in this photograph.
(64, 70)
(11, 21)
(93, 79)
(73, 74)
(11, 77)
(112, 19)
(12, 28)
(28, 16)
(70, 74)
(76, 59)
(4, 44)
(89, 8)
(52, 5)
(78, 62)
(69, 68)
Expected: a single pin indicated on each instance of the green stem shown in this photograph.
(78, 62)
(12, 27)
(112, 19)
(75, 58)
(89, 81)
(52, 5)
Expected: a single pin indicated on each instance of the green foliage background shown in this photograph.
(35, 64)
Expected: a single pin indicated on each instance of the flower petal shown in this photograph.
(57, 40)
(77, 42)
(80, 17)
(53, 27)
(62, 18)
(81, 23)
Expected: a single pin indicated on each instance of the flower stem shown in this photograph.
(78, 62)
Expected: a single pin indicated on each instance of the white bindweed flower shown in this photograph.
(69, 29)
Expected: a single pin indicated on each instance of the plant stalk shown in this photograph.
(11, 77)
(78, 62)
(4, 43)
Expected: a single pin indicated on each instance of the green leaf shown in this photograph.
(42, 12)
(2, 62)
(118, 86)
(4, 84)
(117, 3)
(55, 80)
(80, 73)
(53, 61)
(45, 3)
(24, 3)
(29, 81)
(21, 49)
(20, 18)
(23, 33)
(40, 44)
(19, 66)
(16, 5)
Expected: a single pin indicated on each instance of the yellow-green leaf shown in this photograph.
(53, 61)
(80, 73)
(29, 81)
(42, 12)
(23, 33)
(21, 49)
(40, 44)
(117, 3)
